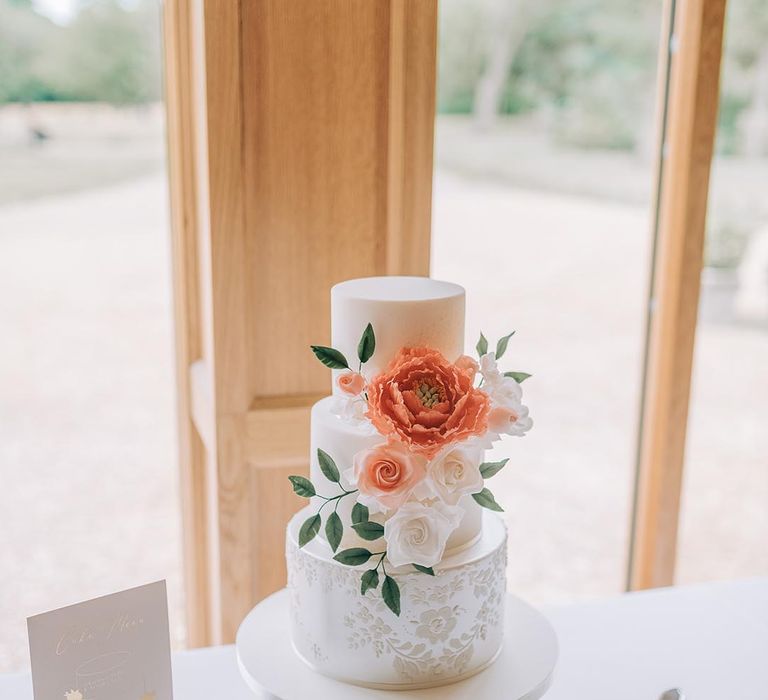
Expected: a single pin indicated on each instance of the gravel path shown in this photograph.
(87, 442)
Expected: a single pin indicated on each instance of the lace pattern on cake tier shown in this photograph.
(443, 618)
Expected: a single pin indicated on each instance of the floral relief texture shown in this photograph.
(450, 624)
(436, 625)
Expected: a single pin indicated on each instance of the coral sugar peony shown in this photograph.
(426, 401)
(468, 364)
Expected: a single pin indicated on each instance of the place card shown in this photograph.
(115, 647)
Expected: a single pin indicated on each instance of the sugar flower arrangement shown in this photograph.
(435, 418)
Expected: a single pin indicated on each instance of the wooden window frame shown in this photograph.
(691, 47)
(237, 442)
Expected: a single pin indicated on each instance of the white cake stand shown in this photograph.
(271, 668)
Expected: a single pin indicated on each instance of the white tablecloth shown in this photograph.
(710, 640)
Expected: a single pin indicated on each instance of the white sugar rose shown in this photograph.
(455, 472)
(417, 533)
(508, 414)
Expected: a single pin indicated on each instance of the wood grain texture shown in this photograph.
(179, 99)
(692, 119)
(411, 82)
(225, 194)
(277, 440)
(226, 272)
(315, 172)
(313, 127)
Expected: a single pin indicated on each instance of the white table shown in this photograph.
(711, 640)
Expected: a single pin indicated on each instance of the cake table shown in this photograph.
(271, 668)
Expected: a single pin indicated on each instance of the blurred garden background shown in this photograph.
(545, 158)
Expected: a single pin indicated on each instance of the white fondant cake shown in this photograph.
(396, 573)
(408, 312)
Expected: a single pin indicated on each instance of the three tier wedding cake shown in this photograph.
(396, 567)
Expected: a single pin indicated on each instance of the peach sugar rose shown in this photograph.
(386, 474)
(426, 401)
(501, 418)
(351, 383)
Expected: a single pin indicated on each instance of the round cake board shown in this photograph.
(271, 668)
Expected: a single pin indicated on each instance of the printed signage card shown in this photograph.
(112, 648)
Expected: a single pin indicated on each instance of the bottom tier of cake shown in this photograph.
(450, 625)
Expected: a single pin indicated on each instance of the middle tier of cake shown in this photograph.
(344, 436)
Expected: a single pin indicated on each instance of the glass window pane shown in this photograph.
(724, 524)
(88, 489)
(544, 170)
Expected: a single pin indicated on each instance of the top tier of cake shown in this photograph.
(404, 312)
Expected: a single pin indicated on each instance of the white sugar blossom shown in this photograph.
(352, 411)
(453, 473)
(508, 414)
(417, 533)
(509, 422)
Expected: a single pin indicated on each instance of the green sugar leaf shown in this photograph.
(501, 346)
(334, 530)
(519, 377)
(488, 469)
(390, 591)
(486, 500)
(353, 557)
(369, 530)
(302, 487)
(424, 569)
(309, 529)
(328, 466)
(359, 513)
(367, 344)
(330, 357)
(482, 345)
(370, 579)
